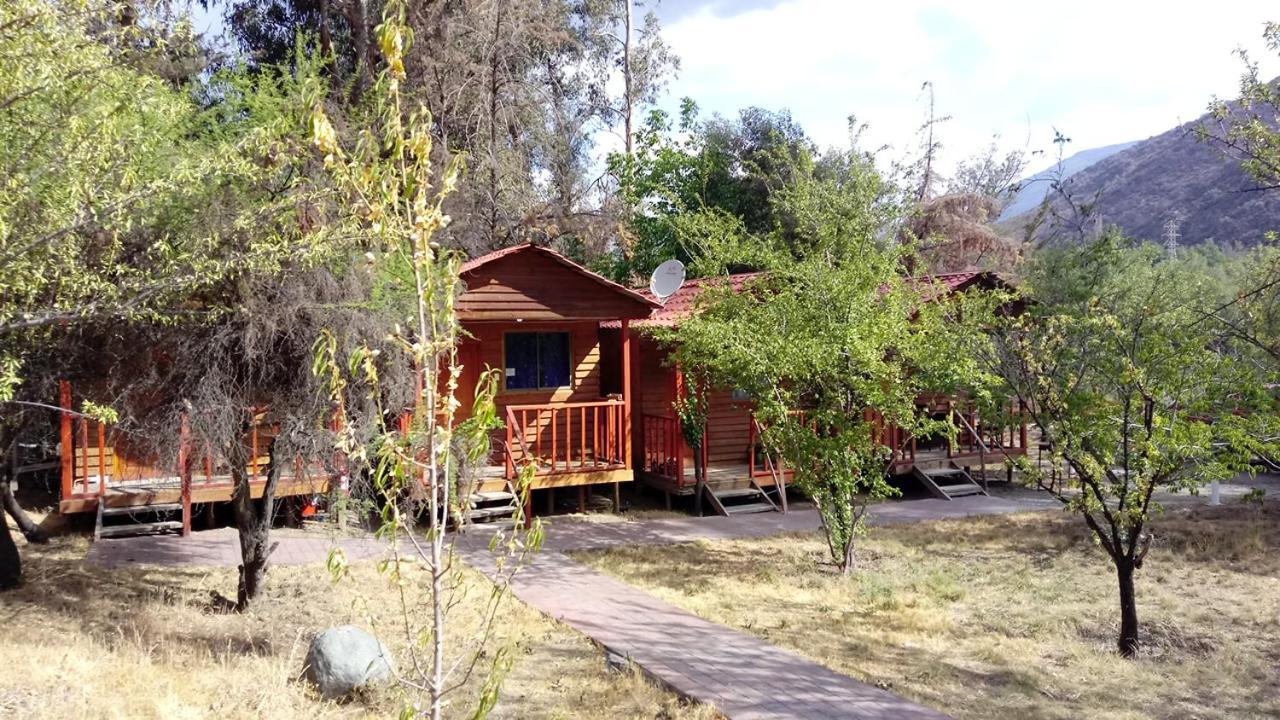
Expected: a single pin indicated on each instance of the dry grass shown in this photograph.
(79, 641)
(1008, 616)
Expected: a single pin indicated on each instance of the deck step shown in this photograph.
(961, 489)
(139, 529)
(748, 508)
(736, 493)
(141, 509)
(942, 471)
(487, 512)
(491, 496)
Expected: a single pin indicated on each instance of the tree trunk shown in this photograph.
(699, 478)
(846, 562)
(31, 531)
(1128, 640)
(253, 521)
(627, 80)
(10, 559)
(8, 503)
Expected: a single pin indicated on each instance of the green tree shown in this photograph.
(391, 191)
(124, 199)
(1133, 390)
(828, 340)
(732, 169)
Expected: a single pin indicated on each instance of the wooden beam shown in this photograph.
(68, 443)
(123, 496)
(626, 393)
(184, 470)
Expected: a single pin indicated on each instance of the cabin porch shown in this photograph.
(103, 472)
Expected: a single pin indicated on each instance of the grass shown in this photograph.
(1011, 616)
(80, 641)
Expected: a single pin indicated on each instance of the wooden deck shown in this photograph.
(163, 491)
(493, 478)
(720, 476)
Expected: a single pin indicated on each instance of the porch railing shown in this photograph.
(663, 447)
(762, 463)
(97, 458)
(562, 438)
(976, 435)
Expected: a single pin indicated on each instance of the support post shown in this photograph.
(184, 470)
(626, 394)
(677, 392)
(66, 439)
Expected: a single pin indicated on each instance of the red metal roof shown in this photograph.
(476, 263)
(681, 304)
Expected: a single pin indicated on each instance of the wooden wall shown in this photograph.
(728, 421)
(486, 348)
(532, 287)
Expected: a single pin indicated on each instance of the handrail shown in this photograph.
(586, 440)
(977, 436)
(566, 406)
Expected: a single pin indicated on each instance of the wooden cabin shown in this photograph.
(104, 472)
(743, 478)
(536, 316)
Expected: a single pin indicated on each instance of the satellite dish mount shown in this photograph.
(666, 279)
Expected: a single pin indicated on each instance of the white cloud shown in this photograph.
(1101, 71)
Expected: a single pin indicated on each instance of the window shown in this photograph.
(537, 360)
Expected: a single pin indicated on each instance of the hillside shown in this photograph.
(1173, 175)
(1035, 187)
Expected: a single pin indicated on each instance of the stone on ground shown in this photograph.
(344, 658)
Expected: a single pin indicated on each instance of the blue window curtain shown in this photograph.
(537, 360)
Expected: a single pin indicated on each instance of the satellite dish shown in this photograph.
(666, 279)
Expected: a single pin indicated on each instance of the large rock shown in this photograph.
(344, 658)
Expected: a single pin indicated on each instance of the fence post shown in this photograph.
(67, 439)
(184, 470)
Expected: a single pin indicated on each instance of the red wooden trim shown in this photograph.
(102, 459)
(67, 453)
(511, 466)
(1022, 431)
(184, 467)
(253, 460)
(677, 393)
(84, 453)
(627, 349)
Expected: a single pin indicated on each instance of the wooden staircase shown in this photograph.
(137, 520)
(490, 506)
(747, 500)
(948, 481)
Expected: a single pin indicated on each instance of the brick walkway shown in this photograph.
(743, 676)
(221, 548)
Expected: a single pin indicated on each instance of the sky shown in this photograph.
(1099, 71)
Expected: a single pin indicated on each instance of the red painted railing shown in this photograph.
(663, 447)
(763, 463)
(561, 438)
(96, 460)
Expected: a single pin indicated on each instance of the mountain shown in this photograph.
(1172, 175)
(1034, 188)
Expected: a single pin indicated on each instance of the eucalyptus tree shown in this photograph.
(1134, 390)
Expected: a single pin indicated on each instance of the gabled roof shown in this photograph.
(532, 283)
(476, 263)
(683, 302)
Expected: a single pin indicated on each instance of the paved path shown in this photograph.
(570, 534)
(743, 676)
(221, 548)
